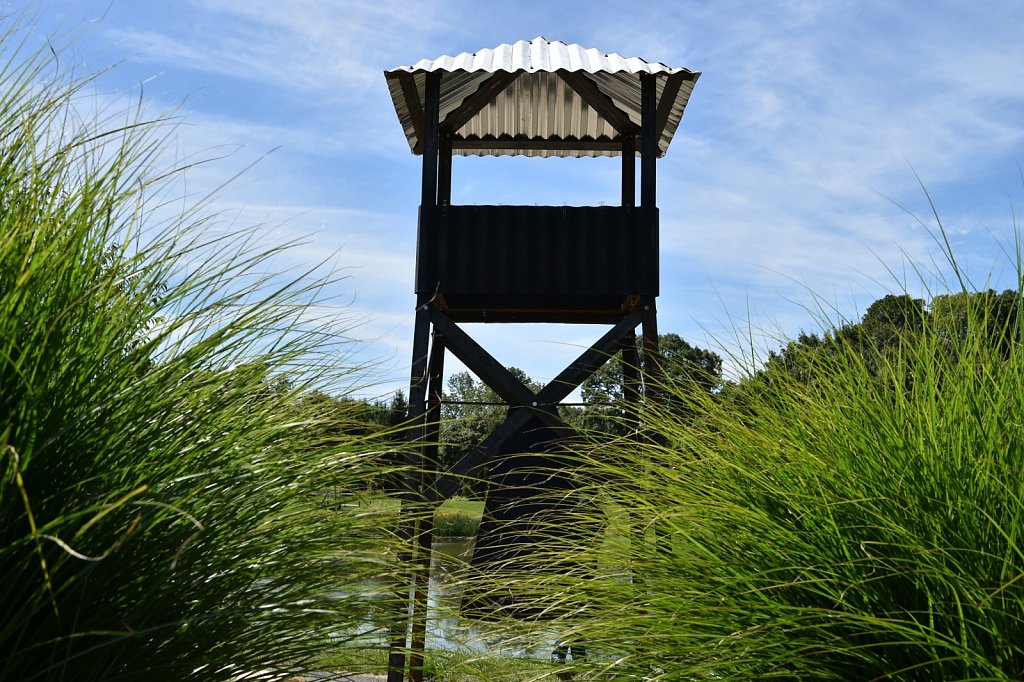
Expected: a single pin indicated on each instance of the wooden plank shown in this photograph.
(412, 102)
(472, 105)
(598, 101)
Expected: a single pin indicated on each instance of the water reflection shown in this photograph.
(447, 629)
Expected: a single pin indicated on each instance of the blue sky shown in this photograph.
(793, 170)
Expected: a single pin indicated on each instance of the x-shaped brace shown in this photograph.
(540, 405)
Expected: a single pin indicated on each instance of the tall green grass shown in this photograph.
(158, 467)
(853, 514)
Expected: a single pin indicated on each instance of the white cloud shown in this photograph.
(806, 120)
(323, 47)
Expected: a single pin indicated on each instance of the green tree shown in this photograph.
(996, 314)
(893, 321)
(470, 412)
(683, 367)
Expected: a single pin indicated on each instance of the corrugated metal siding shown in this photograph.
(539, 104)
(517, 254)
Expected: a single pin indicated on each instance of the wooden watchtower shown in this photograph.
(516, 264)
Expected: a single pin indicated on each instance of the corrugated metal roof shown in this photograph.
(539, 104)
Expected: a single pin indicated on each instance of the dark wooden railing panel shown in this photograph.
(524, 255)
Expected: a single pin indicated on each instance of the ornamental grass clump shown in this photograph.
(852, 510)
(159, 516)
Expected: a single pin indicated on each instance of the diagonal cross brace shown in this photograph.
(485, 366)
(561, 386)
(587, 89)
(474, 104)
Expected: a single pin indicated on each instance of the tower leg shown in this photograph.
(653, 394)
(425, 500)
(652, 364)
(408, 498)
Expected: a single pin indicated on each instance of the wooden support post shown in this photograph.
(425, 533)
(631, 387)
(418, 375)
(648, 140)
(408, 498)
(557, 389)
(426, 238)
(431, 134)
(628, 171)
(435, 389)
(444, 169)
(651, 361)
(653, 396)
(397, 635)
(631, 380)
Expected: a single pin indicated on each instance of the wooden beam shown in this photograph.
(412, 102)
(450, 481)
(561, 386)
(598, 101)
(648, 141)
(418, 374)
(652, 359)
(472, 105)
(482, 363)
(425, 520)
(444, 169)
(668, 99)
(628, 171)
(431, 109)
(538, 144)
(590, 360)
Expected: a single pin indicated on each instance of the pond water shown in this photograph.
(446, 629)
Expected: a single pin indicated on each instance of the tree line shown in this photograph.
(471, 410)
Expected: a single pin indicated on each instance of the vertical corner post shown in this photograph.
(418, 375)
(628, 171)
(431, 138)
(427, 465)
(648, 140)
(409, 497)
(444, 169)
(631, 380)
(651, 359)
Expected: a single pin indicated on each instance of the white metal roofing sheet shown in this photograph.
(538, 104)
